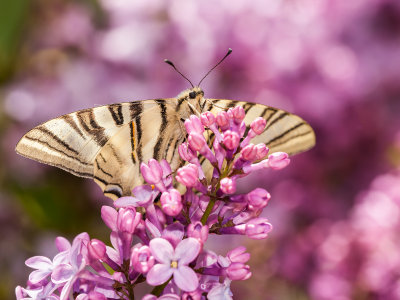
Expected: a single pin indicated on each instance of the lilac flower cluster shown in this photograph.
(158, 234)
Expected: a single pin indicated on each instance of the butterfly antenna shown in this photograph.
(172, 65)
(226, 55)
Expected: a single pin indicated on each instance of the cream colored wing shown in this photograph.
(72, 142)
(156, 133)
(284, 131)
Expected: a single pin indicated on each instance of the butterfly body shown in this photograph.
(108, 143)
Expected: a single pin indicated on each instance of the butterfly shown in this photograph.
(108, 143)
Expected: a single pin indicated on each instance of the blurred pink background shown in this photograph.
(335, 209)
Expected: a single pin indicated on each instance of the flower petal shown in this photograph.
(162, 250)
(60, 258)
(173, 233)
(39, 262)
(109, 216)
(127, 201)
(159, 274)
(62, 244)
(187, 250)
(66, 290)
(62, 273)
(38, 275)
(186, 279)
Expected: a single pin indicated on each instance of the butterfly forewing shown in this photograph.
(72, 142)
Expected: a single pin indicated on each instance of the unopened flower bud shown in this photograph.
(207, 118)
(278, 160)
(128, 219)
(97, 249)
(171, 202)
(152, 172)
(257, 199)
(258, 125)
(186, 152)
(231, 139)
(142, 259)
(222, 120)
(196, 141)
(238, 271)
(188, 175)
(194, 125)
(238, 114)
(258, 228)
(262, 151)
(228, 185)
(249, 153)
(238, 254)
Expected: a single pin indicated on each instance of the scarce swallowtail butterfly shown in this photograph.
(108, 143)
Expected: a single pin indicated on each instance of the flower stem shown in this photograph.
(159, 288)
(208, 211)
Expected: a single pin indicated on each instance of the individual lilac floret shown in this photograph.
(171, 202)
(188, 175)
(278, 160)
(141, 259)
(174, 262)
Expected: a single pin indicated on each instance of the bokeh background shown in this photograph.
(335, 210)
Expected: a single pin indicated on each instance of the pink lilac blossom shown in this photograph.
(172, 228)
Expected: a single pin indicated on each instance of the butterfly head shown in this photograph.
(195, 93)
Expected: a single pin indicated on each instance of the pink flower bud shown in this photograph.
(97, 249)
(239, 254)
(231, 139)
(152, 172)
(258, 125)
(278, 160)
(222, 120)
(257, 199)
(171, 202)
(228, 185)
(128, 219)
(238, 114)
(249, 153)
(262, 151)
(194, 125)
(238, 271)
(188, 175)
(207, 118)
(198, 231)
(141, 259)
(258, 228)
(186, 152)
(196, 141)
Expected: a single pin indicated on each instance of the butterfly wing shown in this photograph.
(72, 142)
(156, 133)
(284, 131)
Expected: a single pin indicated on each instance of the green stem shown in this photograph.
(159, 288)
(208, 211)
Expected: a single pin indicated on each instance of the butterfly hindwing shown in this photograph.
(155, 133)
(284, 131)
